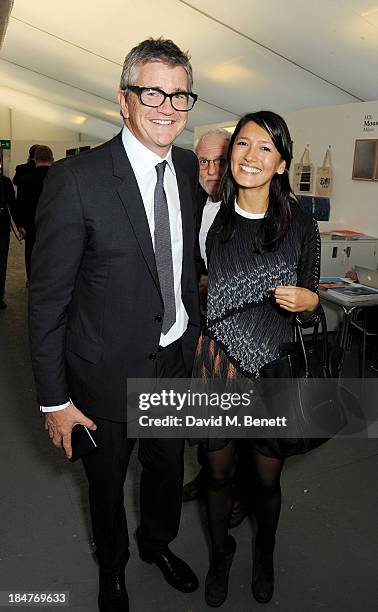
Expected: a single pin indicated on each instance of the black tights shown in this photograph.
(266, 494)
(220, 473)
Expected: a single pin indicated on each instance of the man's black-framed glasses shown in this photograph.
(154, 97)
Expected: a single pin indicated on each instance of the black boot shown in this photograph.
(263, 573)
(238, 514)
(216, 585)
(195, 488)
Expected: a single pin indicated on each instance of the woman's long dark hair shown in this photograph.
(281, 198)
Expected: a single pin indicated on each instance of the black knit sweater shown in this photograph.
(243, 317)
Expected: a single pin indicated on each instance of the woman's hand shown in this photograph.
(296, 299)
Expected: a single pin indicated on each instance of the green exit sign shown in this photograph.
(5, 144)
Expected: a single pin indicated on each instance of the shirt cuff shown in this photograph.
(54, 408)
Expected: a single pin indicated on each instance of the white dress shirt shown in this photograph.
(209, 213)
(143, 162)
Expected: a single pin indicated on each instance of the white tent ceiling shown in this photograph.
(62, 60)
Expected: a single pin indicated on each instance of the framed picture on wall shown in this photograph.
(365, 164)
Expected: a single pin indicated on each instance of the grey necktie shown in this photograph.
(163, 250)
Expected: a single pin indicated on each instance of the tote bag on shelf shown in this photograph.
(303, 174)
(324, 177)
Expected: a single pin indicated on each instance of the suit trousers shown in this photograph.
(160, 486)
(4, 248)
(29, 244)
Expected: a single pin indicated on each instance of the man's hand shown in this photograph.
(296, 299)
(22, 232)
(59, 424)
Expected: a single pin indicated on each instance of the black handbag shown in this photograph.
(299, 384)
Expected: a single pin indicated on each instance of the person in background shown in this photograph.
(263, 262)
(29, 189)
(23, 169)
(211, 150)
(7, 210)
(113, 295)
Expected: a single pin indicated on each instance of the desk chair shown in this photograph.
(365, 321)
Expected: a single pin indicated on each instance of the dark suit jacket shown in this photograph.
(200, 264)
(28, 193)
(95, 303)
(21, 171)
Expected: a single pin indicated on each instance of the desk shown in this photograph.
(349, 307)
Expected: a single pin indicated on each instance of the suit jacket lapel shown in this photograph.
(186, 206)
(131, 199)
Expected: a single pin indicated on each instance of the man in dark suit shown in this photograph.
(28, 193)
(113, 295)
(24, 169)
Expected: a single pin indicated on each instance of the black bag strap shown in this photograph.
(320, 320)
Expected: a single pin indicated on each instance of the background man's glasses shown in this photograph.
(219, 162)
(180, 100)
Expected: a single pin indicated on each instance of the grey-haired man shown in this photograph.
(211, 150)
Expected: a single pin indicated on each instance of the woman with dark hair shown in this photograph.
(264, 258)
